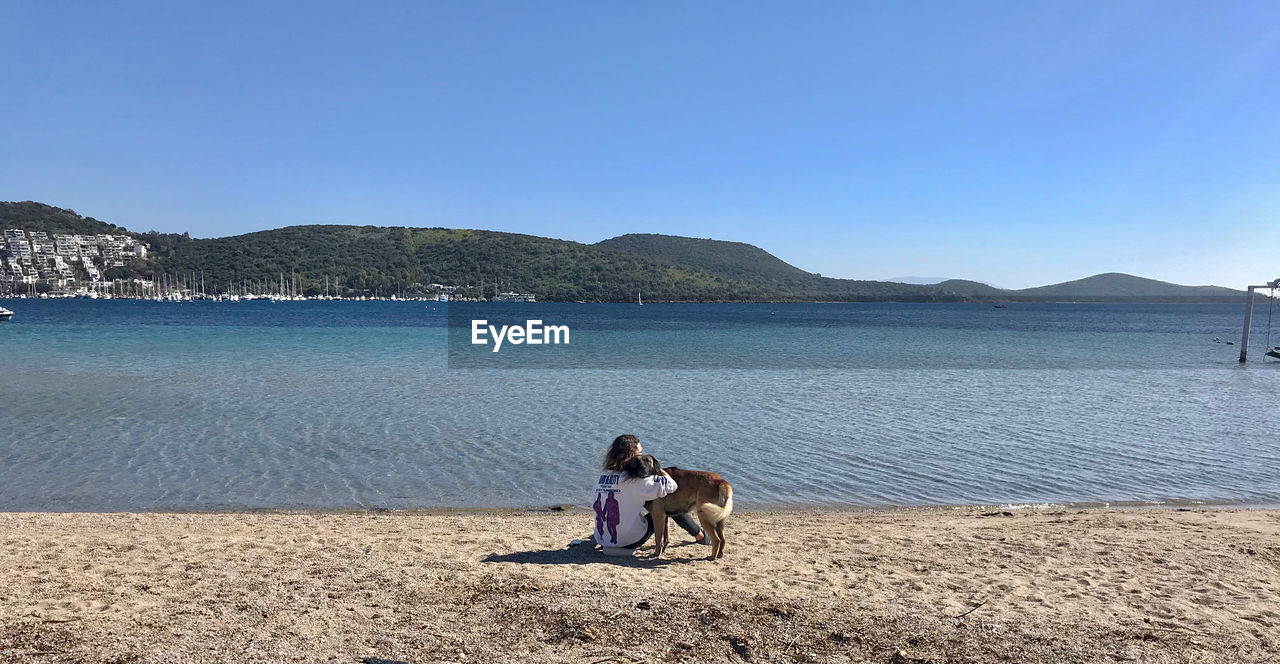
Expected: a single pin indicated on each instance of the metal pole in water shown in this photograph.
(1248, 318)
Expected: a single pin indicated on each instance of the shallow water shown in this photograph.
(137, 405)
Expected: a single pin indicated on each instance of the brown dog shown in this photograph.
(706, 493)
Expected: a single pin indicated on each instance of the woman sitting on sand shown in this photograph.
(621, 522)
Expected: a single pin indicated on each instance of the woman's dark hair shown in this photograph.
(620, 452)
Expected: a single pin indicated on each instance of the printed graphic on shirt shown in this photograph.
(612, 517)
(608, 515)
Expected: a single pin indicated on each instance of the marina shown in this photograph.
(40, 265)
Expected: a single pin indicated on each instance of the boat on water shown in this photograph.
(5, 314)
(1000, 306)
(514, 297)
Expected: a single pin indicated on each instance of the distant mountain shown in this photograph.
(373, 259)
(732, 260)
(1118, 285)
(745, 262)
(736, 260)
(933, 281)
(919, 281)
(968, 288)
(390, 259)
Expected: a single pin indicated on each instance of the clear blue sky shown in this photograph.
(1015, 142)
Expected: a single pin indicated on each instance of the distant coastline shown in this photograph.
(430, 299)
(50, 251)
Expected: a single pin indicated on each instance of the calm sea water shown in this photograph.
(137, 405)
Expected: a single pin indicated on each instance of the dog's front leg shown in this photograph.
(658, 513)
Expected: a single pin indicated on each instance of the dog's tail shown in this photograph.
(723, 505)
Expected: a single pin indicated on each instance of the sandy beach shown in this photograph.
(886, 586)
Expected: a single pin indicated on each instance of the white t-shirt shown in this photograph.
(619, 506)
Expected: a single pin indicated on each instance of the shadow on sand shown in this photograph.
(584, 555)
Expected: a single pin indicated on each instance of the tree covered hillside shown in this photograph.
(739, 261)
(1115, 284)
(32, 216)
(352, 260)
(732, 260)
(389, 259)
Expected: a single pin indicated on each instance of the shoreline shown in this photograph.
(901, 585)
(1101, 299)
(783, 508)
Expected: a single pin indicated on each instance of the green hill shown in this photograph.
(1118, 285)
(739, 261)
(382, 259)
(370, 259)
(32, 216)
(736, 260)
(968, 288)
(732, 260)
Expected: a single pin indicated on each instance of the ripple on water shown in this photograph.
(365, 417)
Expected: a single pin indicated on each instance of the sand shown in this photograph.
(886, 586)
